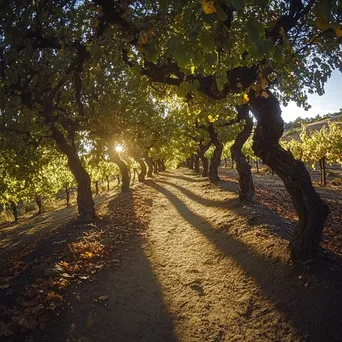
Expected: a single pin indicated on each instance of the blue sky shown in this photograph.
(330, 102)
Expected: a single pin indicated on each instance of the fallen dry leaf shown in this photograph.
(84, 256)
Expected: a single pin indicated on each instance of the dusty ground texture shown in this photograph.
(270, 193)
(208, 268)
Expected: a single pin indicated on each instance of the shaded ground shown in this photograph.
(207, 269)
(29, 229)
(271, 194)
(69, 252)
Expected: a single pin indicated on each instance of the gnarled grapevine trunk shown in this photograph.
(246, 192)
(14, 210)
(323, 171)
(202, 148)
(139, 160)
(191, 162)
(160, 165)
(196, 163)
(257, 166)
(215, 160)
(67, 196)
(108, 186)
(125, 178)
(85, 200)
(155, 167)
(143, 170)
(39, 202)
(149, 163)
(163, 164)
(311, 210)
(205, 166)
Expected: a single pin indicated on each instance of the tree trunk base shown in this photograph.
(205, 165)
(311, 209)
(213, 178)
(204, 173)
(125, 188)
(247, 190)
(85, 202)
(215, 160)
(196, 163)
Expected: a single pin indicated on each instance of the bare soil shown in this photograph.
(207, 268)
(270, 193)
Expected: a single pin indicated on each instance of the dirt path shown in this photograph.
(209, 269)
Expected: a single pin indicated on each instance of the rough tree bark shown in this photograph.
(97, 187)
(67, 193)
(202, 148)
(136, 156)
(39, 202)
(85, 200)
(155, 167)
(149, 163)
(142, 173)
(311, 210)
(191, 162)
(246, 191)
(160, 165)
(14, 210)
(143, 170)
(125, 178)
(215, 160)
(163, 164)
(108, 186)
(322, 167)
(196, 163)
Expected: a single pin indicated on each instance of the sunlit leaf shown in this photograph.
(208, 6)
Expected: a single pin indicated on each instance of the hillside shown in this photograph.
(294, 132)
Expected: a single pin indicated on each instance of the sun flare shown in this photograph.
(118, 148)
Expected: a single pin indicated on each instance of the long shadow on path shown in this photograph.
(204, 201)
(189, 179)
(135, 310)
(315, 311)
(132, 309)
(234, 204)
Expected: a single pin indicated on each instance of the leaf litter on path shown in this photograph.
(28, 306)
